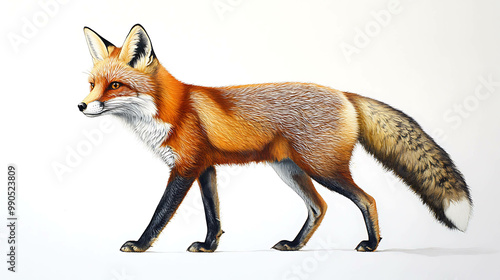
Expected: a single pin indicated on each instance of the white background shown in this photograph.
(428, 58)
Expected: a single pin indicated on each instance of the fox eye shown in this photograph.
(92, 86)
(115, 85)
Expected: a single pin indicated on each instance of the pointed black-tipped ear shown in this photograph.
(137, 50)
(99, 47)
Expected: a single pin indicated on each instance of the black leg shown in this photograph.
(301, 183)
(175, 192)
(346, 187)
(208, 187)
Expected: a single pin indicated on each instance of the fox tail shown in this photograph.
(400, 144)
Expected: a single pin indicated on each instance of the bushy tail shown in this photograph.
(401, 145)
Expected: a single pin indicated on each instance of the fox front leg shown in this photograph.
(208, 187)
(175, 192)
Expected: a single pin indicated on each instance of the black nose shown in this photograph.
(82, 106)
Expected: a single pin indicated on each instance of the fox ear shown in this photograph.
(99, 47)
(137, 50)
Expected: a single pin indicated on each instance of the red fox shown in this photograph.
(304, 131)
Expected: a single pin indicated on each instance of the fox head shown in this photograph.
(121, 81)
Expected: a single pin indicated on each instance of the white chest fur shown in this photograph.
(138, 113)
(154, 133)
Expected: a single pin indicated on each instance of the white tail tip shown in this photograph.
(458, 213)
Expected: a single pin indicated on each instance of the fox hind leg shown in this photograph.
(208, 187)
(301, 183)
(346, 187)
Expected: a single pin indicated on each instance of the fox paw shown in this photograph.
(132, 246)
(285, 245)
(367, 246)
(202, 247)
